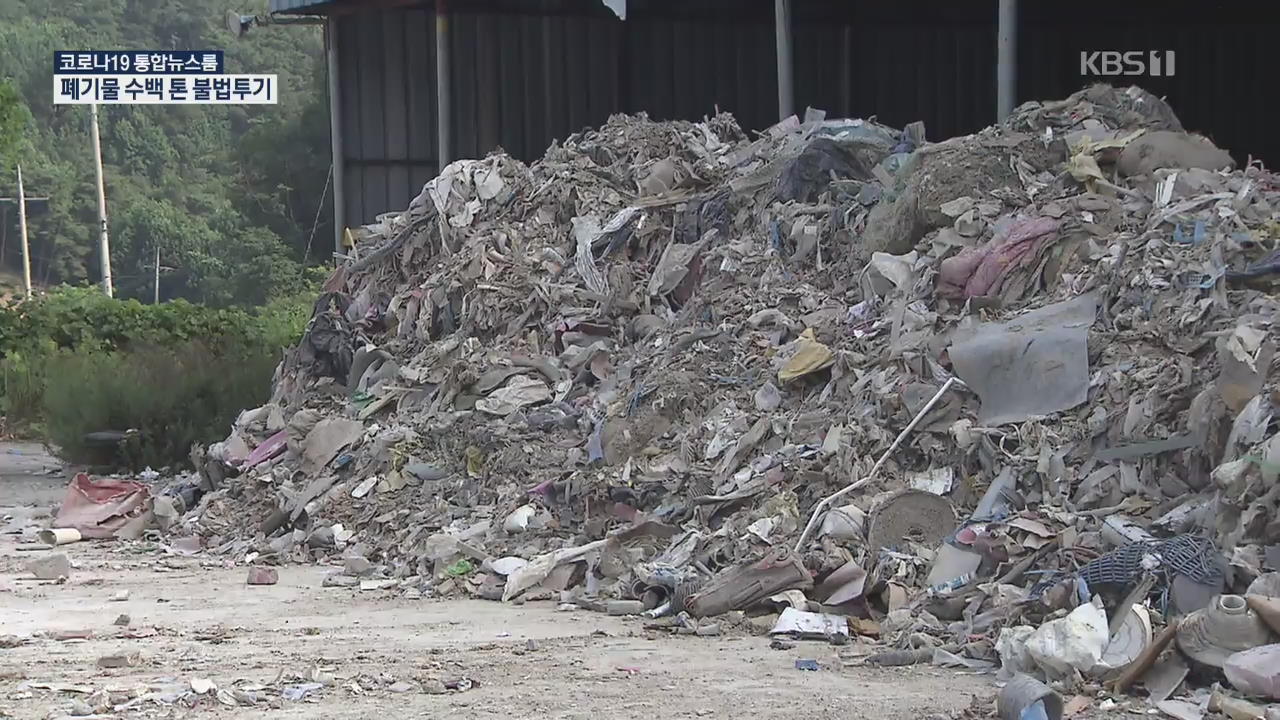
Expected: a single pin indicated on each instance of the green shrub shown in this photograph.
(84, 318)
(176, 371)
(173, 397)
(22, 390)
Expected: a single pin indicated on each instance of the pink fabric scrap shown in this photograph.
(980, 271)
(270, 448)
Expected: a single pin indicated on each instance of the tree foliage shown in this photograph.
(227, 195)
(13, 121)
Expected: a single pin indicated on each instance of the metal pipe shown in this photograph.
(782, 30)
(278, 19)
(335, 135)
(104, 244)
(444, 88)
(1006, 58)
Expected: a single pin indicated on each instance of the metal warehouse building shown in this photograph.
(415, 84)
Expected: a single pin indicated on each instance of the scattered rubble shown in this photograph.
(1005, 399)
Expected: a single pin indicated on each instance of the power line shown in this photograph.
(316, 223)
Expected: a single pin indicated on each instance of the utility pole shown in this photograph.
(22, 235)
(104, 246)
(156, 299)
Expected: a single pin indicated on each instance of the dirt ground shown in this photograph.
(195, 618)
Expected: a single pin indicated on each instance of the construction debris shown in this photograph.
(1002, 398)
(262, 576)
(50, 567)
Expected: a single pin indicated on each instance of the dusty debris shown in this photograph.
(120, 660)
(1167, 149)
(50, 567)
(744, 586)
(262, 576)
(11, 641)
(1017, 382)
(1234, 708)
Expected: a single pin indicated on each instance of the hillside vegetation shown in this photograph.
(229, 195)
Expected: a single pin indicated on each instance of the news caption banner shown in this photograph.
(155, 77)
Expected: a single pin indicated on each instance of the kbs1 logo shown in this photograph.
(1108, 63)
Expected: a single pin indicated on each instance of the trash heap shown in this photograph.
(1004, 399)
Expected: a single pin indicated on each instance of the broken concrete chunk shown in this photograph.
(357, 566)
(340, 580)
(373, 585)
(894, 227)
(263, 576)
(51, 567)
(122, 660)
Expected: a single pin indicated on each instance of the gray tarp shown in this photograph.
(1034, 364)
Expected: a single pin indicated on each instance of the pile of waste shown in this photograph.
(1004, 400)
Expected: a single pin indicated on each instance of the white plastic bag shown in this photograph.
(1075, 642)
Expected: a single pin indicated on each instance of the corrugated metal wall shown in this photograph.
(1224, 85)
(529, 71)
